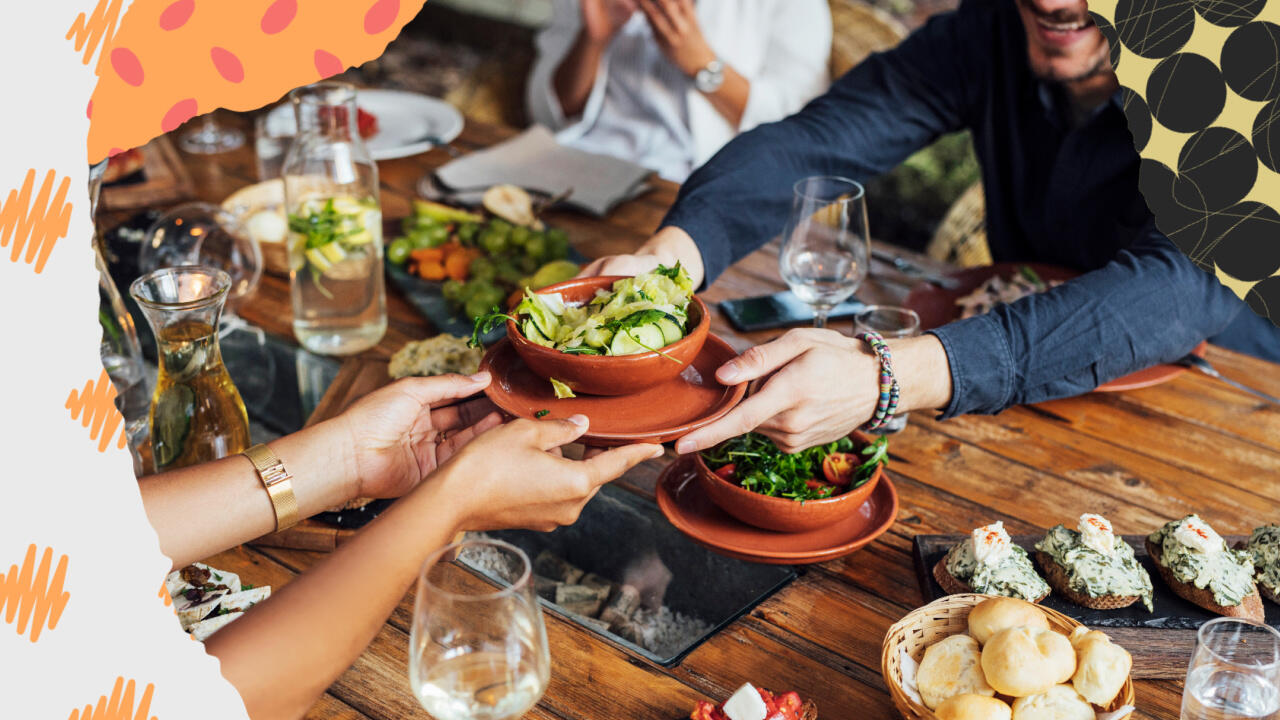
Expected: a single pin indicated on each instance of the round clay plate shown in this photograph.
(937, 306)
(685, 506)
(660, 414)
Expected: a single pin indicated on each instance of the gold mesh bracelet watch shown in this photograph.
(277, 480)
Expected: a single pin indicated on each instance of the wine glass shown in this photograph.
(889, 322)
(476, 651)
(1234, 672)
(210, 137)
(200, 233)
(825, 246)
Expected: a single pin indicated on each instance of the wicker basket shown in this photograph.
(961, 237)
(943, 617)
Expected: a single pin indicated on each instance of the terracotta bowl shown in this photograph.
(610, 375)
(784, 514)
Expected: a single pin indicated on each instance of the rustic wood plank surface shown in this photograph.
(1139, 457)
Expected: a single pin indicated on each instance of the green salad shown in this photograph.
(641, 314)
(755, 463)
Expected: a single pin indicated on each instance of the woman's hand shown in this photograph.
(513, 476)
(602, 19)
(675, 27)
(667, 247)
(396, 439)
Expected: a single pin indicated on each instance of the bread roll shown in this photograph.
(1025, 661)
(995, 614)
(950, 667)
(973, 707)
(1060, 702)
(1101, 666)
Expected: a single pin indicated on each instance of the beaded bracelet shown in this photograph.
(887, 404)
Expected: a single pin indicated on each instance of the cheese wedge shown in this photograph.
(745, 704)
(203, 629)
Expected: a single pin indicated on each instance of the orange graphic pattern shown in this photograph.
(38, 224)
(171, 60)
(29, 596)
(90, 31)
(119, 706)
(95, 406)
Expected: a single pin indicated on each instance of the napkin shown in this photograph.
(535, 161)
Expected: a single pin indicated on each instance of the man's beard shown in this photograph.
(1100, 65)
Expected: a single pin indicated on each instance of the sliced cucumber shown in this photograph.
(531, 331)
(333, 252)
(598, 337)
(671, 330)
(645, 338)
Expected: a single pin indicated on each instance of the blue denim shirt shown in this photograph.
(1056, 192)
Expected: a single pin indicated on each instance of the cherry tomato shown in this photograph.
(726, 471)
(840, 468)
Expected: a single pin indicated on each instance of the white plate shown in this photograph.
(404, 118)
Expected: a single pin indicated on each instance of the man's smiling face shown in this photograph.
(1063, 43)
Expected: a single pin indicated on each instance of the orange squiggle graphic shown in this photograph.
(34, 599)
(164, 595)
(35, 225)
(119, 706)
(96, 405)
(97, 28)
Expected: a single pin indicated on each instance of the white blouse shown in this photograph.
(643, 108)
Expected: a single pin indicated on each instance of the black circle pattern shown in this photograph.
(1154, 28)
(1186, 92)
(1138, 115)
(1113, 38)
(1186, 226)
(1245, 241)
(1264, 299)
(1229, 13)
(1266, 134)
(1216, 169)
(1251, 61)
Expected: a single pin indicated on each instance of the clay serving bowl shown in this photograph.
(784, 514)
(610, 375)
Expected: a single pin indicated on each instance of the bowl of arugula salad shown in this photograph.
(607, 335)
(755, 482)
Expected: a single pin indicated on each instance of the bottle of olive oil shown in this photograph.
(196, 412)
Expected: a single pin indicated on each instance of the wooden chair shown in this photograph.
(961, 237)
(857, 30)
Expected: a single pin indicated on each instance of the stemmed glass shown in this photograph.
(210, 138)
(203, 234)
(1234, 672)
(476, 651)
(825, 246)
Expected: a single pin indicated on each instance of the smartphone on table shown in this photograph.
(780, 310)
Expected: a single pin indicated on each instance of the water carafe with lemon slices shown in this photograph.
(335, 225)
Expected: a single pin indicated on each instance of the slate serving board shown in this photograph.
(1160, 642)
(426, 297)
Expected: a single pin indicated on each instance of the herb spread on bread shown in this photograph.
(1264, 547)
(1093, 572)
(1198, 556)
(991, 564)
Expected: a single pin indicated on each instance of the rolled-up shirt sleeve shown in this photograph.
(553, 44)
(1149, 305)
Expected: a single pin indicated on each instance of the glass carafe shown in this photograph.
(335, 225)
(196, 412)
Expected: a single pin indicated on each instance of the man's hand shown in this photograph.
(675, 27)
(602, 19)
(396, 439)
(667, 247)
(821, 385)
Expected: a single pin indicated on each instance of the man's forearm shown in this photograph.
(576, 75)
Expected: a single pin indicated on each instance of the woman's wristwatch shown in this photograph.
(710, 78)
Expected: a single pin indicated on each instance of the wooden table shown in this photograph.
(1140, 458)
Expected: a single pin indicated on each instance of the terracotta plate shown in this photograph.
(685, 506)
(937, 307)
(660, 414)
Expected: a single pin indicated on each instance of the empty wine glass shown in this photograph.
(476, 651)
(1234, 672)
(203, 234)
(825, 246)
(209, 137)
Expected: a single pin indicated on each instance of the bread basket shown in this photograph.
(943, 617)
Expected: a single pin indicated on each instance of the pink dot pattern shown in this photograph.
(327, 64)
(177, 15)
(380, 16)
(227, 64)
(127, 66)
(278, 16)
(182, 111)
